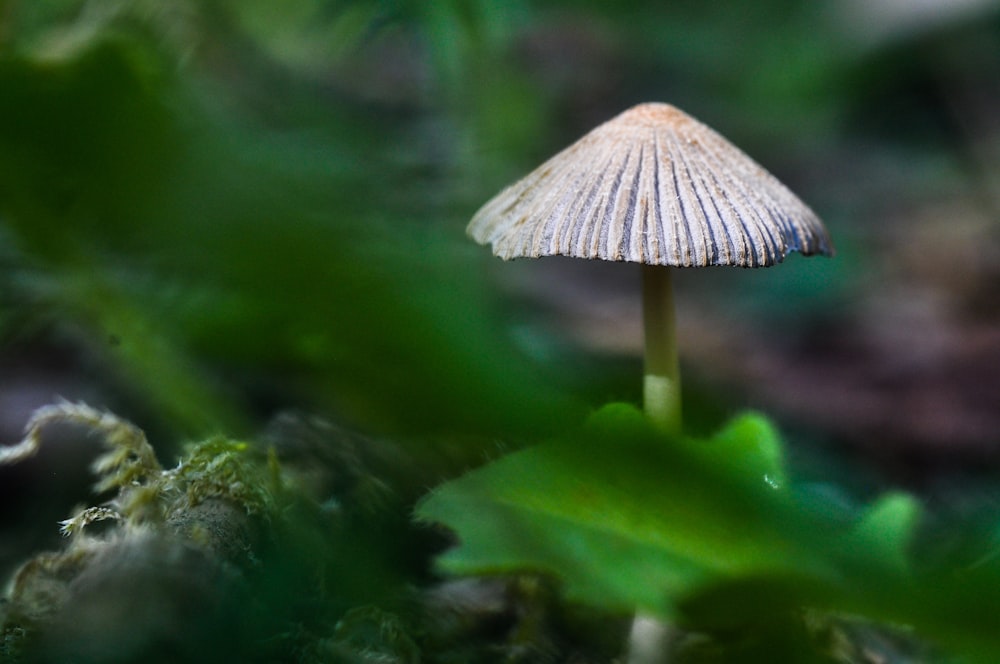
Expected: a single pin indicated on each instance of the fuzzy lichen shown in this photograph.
(207, 505)
(88, 516)
(130, 456)
(174, 555)
(129, 464)
(223, 468)
(217, 468)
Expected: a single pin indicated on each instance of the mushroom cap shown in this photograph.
(654, 186)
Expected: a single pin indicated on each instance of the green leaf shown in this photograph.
(753, 445)
(629, 518)
(886, 529)
(690, 530)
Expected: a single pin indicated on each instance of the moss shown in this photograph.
(171, 540)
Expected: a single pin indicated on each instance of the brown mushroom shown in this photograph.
(652, 186)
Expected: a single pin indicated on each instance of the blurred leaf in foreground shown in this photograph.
(627, 518)
(233, 263)
(698, 531)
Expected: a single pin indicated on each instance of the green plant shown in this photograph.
(712, 534)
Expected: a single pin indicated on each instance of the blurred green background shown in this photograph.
(214, 211)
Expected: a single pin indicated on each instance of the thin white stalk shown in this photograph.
(649, 640)
(662, 378)
(650, 637)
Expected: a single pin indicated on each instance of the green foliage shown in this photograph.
(182, 243)
(660, 519)
(706, 532)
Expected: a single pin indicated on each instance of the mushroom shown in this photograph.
(652, 186)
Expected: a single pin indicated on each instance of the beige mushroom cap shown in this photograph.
(654, 186)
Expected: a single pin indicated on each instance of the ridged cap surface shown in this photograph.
(655, 186)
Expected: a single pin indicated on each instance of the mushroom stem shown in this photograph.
(649, 640)
(662, 380)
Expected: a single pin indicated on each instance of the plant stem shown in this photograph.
(662, 380)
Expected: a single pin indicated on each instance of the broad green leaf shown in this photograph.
(628, 518)
(690, 530)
